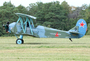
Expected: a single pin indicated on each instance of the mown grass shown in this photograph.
(45, 49)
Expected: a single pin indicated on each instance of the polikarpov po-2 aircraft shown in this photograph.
(25, 26)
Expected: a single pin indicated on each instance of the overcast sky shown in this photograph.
(27, 2)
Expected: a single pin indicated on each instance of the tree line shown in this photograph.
(53, 14)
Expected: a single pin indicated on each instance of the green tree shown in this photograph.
(5, 14)
(66, 7)
(1, 29)
(21, 9)
(88, 29)
(51, 14)
(87, 15)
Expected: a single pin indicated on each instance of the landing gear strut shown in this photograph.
(70, 39)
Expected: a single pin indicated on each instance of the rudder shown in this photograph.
(81, 23)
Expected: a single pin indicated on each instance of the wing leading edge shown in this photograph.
(25, 15)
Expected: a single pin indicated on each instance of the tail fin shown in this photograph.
(79, 30)
(81, 23)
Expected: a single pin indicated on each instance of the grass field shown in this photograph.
(45, 49)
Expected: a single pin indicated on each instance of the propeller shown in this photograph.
(6, 26)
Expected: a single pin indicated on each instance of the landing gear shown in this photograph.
(19, 41)
(70, 39)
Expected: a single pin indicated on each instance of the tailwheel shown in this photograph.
(70, 39)
(19, 41)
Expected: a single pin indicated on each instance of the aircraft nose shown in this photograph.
(6, 27)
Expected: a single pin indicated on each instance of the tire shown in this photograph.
(19, 41)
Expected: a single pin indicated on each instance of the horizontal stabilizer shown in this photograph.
(75, 32)
(25, 15)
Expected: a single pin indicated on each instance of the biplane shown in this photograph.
(25, 26)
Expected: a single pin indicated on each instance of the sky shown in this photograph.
(76, 3)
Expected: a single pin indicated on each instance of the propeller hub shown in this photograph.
(6, 27)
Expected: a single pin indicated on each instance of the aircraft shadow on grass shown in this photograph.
(53, 43)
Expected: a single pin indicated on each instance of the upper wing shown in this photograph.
(25, 15)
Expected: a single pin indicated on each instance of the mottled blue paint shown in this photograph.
(11, 26)
(41, 31)
(19, 29)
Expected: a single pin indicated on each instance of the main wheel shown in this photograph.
(19, 41)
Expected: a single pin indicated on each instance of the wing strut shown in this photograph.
(70, 39)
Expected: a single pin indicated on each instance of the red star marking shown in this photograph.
(82, 24)
(56, 34)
